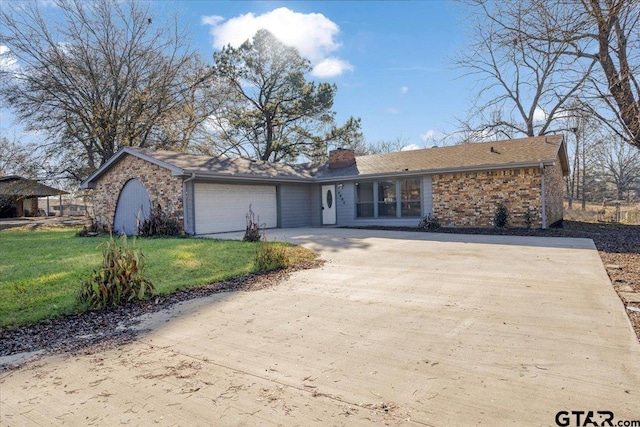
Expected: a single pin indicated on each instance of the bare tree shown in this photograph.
(523, 83)
(575, 35)
(621, 164)
(98, 76)
(587, 133)
(17, 158)
(606, 31)
(384, 146)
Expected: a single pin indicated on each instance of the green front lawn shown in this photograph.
(41, 271)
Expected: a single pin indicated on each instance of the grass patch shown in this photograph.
(41, 271)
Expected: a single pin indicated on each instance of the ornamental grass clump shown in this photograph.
(429, 223)
(159, 224)
(120, 279)
(270, 256)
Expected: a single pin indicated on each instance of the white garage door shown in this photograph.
(224, 207)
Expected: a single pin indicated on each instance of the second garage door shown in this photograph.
(223, 207)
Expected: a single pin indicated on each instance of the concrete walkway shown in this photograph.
(396, 328)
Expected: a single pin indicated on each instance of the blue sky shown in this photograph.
(389, 59)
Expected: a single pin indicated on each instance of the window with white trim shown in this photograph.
(364, 200)
(410, 197)
(401, 198)
(387, 199)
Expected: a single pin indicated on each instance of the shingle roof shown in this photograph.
(17, 186)
(207, 165)
(524, 152)
(488, 155)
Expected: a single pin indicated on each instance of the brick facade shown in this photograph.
(470, 199)
(464, 199)
(341, 158)
(554, 193)
(162, 187)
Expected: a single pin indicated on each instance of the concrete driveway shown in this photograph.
(396, 328)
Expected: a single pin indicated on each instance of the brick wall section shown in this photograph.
(341, 158)
(163, 188)
(469, 199)
(554, 189)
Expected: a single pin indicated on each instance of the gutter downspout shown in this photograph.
(186, 211)
(544, 201)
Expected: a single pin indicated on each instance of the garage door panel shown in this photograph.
(224, 207)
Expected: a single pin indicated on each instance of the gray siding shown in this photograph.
(346, 203)
(189, 208)
(299, 205)
(316, 207)
(347, 206)
(427, 195)
(296, 205)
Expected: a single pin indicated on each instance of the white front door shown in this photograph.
(328, 204)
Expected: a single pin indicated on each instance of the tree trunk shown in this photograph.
(584, 177)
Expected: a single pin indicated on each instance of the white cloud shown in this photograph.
(48, 3)
(539, 114)
(411, 147)
(313, 34)
(8, 62)
(431, 135)
(331, 67)
(392, 110)
(212, 20)
(212, 124)
(404, 89)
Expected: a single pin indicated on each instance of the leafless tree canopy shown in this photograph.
(523, 83)
(97, 76)
(533, 56)
(621, 163)
(384, 146)
(17, 159)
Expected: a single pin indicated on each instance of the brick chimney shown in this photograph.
(341, 158)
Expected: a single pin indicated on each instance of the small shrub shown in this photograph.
(501, 217)
(94, 229)
(429, 223)
(252, 232)
(159, 223)
(120, 279)
(528, 218)
(270, 257)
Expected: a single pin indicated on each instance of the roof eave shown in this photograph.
(245, 177)
(91, 180)
(476, 168)
(564, 158)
